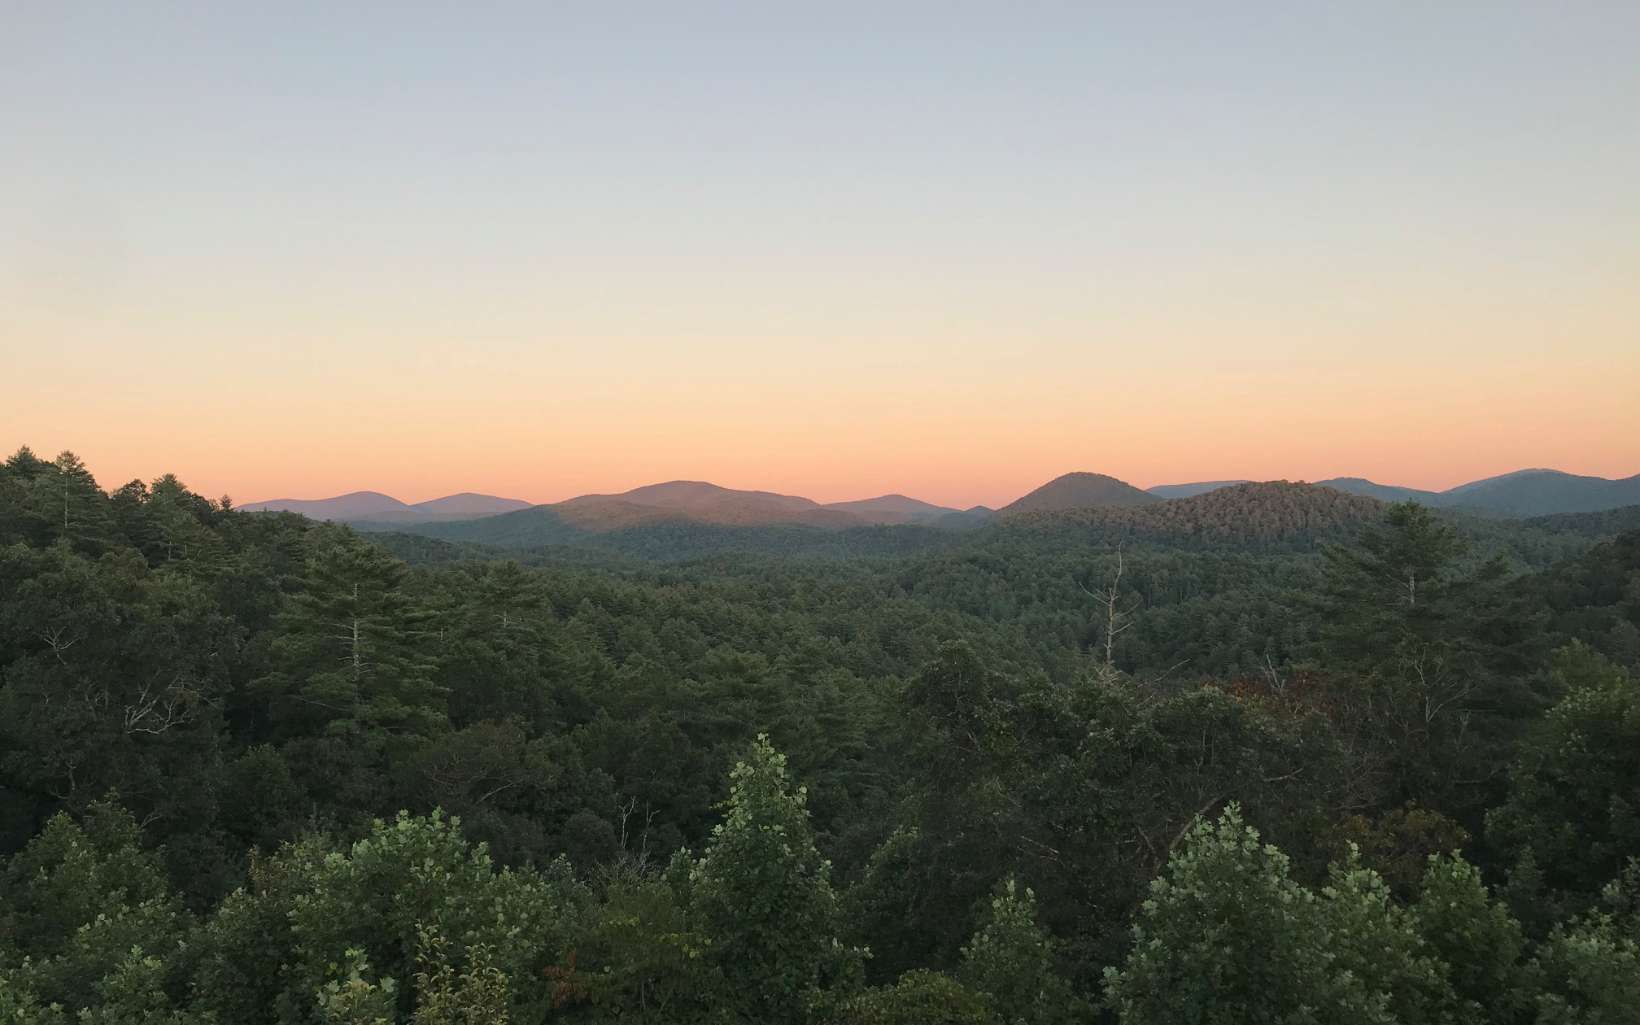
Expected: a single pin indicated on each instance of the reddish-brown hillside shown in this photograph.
(699, 502)
(1080, 491)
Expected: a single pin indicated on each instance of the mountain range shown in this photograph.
(1523, 493)
(1080, 491)
(1520, 494)
(375, 507)
(696, 501)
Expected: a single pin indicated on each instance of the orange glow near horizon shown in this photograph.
(967, 429)
(559, 249)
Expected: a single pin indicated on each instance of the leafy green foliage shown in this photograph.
(1573, 810)
(1398, 843)
(1477, 938)
(920, 997)
(1591, 973)
(296, 718)
(412, 896)
(763, 897)
(1344, 955)
(1011, 960)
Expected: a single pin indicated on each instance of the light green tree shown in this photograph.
(1228, 937)
(1011, 958)
(919, 997)
(1573, 811)
(763, 896)
(1477, 938)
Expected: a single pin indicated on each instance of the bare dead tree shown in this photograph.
(1273, 673)
(54, 638)
(1109, 599)
(638, 859)
(158, 709)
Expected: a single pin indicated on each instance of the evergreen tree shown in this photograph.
(20, 519)
(762, 894)
(1416, 629)
(1391, 588)
(68, 502)
(350, 649)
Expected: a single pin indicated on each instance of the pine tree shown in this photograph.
(65, 499)
(351, 643)
(1416, 630)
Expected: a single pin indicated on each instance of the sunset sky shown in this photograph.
(945, 249)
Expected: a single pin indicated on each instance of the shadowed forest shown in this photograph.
(1270, 754)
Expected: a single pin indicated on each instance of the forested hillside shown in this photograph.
(1274, 753)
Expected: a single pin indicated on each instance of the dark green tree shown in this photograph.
(1417, 636)
(92, 914)
(350, 650)
(1572, 816)
(67, 500)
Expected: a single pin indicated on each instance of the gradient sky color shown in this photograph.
(946, 249)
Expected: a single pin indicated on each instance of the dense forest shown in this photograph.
(1272, 754)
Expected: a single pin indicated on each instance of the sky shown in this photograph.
(945, 249)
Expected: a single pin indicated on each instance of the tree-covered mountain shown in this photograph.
(699, 502)
(356, 505)
(1271, 753)
(666, 506)
(1079, 491)
(1269, 516)
(466, 505)
(1523, 493)
(673, 502)
(1241, 514)
(1382, 492)
(1543, 492)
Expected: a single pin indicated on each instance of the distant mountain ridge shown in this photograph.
(678, 500)
(1383, 492)
(1192, 490)
(896, 508)
(1079, 490)
(1543, 493)
(1523, 493)
(373, 506)
(701, 502)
